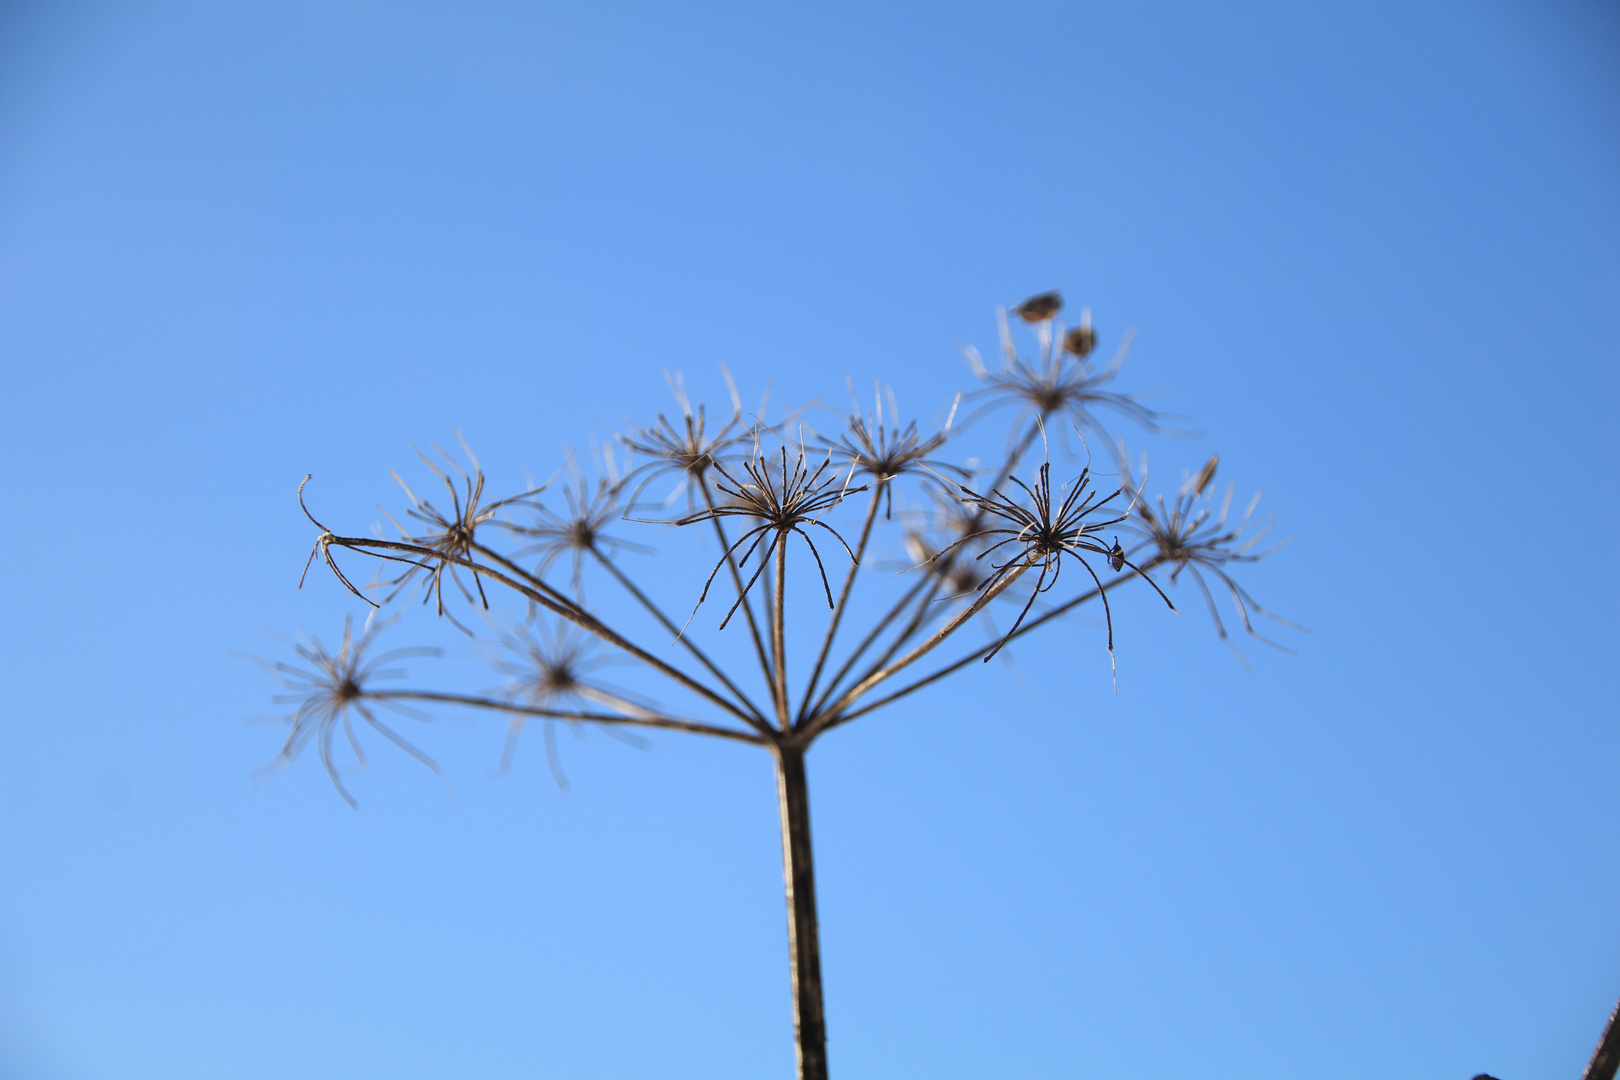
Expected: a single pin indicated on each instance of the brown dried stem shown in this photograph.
(736, 579)
(878, 490)
(642, 719)
(779, 633)
(570, 611)
(854, 692)
(653, 609)
(979, 654)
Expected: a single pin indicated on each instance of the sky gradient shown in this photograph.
(1371, 250)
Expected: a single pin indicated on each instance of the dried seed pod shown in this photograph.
(1081, 340)
(1039, 308)
(1206, 474)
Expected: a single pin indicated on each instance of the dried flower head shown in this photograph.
(452, 536)
(1041, 534)
(1058, 382)
(1190, 534)
(551, 670)
(884, 450)
(333, 687)
(579, 532)
(783, 500)
(686, 451)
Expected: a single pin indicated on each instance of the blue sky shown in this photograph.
(1372, 250)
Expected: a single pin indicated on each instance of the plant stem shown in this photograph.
(736, 579)
(831, 713)
(977, 654)
(668, 624)
(567, 610)
(778, 634)
(843, 599)
(919, 618)
(872, 635)
(643, 719)
(1606, 1057)
(804, 938)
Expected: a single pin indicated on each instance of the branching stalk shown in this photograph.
(570, 611)
(843, 599)
(854, 692)
(872, 636)
(777, 492)
(653, 609)
(736, 579)
(649, 720)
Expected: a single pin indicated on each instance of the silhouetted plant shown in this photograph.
(337, 689)
(1058, 383)
(752, 486)
(1189, 535)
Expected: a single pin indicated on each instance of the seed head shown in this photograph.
(685, 450)
(331, 689)
(579, 531)
(452, 535)
(551, 670)
(1190, 534)
(1041, 534)
(783, 499)
(1058, 382)
(884, 450)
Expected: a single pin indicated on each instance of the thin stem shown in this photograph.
(736, 578)
(843, 599)
(569, 610)
(653, 721)
(922, 614)
(919, 619)
(779, 632)
(976, 654)
(513, 568)
(804, 935)
(866, 642)
(668, 624)
(1606, 1057)
(919, 652)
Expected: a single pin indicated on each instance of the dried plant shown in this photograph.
(688, 451)
(1043, 536)
(1059, 382)
(750, 486)
(1189, 535)
(580, 533)
(551, 669)
(335, 687)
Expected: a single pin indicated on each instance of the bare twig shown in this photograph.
(474, 701)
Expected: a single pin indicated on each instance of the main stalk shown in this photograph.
(804, 938)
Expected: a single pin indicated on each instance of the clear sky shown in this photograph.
(1372, 250)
